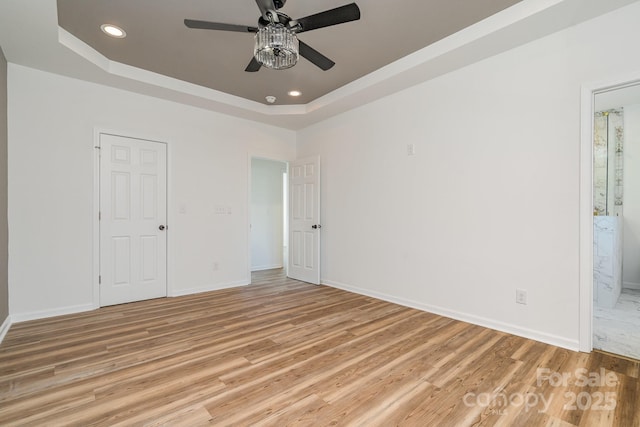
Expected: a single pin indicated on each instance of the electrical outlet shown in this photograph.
(215, 266)
(521, 296)
(411, 149)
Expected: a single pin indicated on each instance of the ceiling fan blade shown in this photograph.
(264, 6)
(206, 25)
(339, 15)
(315, 57)
(253, 66)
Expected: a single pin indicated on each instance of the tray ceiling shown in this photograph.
(157, 39)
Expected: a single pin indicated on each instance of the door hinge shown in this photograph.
(99, 216)
(99, 280)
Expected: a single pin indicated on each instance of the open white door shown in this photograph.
(304, 220)
(133, 212)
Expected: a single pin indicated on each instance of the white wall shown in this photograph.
(266, 214)
(631, 204)
(489, 202)
(51, 137)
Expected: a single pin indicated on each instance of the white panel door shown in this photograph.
(304, 220)
(133, 213)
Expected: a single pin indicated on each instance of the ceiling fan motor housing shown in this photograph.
(281, 19)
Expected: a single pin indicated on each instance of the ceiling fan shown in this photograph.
(276, 42)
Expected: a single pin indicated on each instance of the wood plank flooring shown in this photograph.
(282, 352)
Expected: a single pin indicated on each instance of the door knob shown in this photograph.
(162, 227)
(316, 226)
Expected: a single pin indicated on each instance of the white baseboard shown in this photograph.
(5, 328)
(208, 288)
(33, 315)
(631, 285)
(469, 318)
(23, 317)
(266, 267)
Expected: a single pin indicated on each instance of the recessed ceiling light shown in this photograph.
(295, 93)
(270, 99)
(113, 31)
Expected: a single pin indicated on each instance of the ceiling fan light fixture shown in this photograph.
(276, 47)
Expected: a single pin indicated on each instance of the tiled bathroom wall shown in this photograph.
(608, 164)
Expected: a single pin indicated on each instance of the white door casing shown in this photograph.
(133, 212)
(304, 220)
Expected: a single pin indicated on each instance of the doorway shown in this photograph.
(132, 219)
(616, 220)
(268, 214)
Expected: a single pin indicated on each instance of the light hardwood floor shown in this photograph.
(281, 352)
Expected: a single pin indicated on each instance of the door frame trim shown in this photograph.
(95, 271)
(588, 92)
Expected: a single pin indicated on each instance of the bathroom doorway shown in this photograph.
(616, 221)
